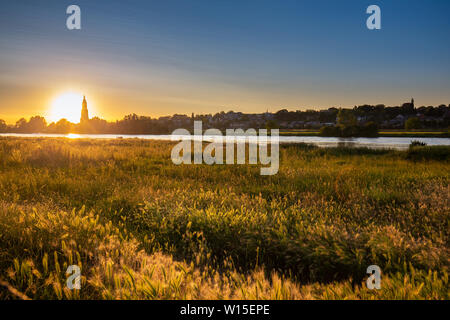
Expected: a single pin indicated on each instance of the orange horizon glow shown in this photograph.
(112, 106)
(67, 105)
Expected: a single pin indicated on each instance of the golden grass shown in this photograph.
(142, 228)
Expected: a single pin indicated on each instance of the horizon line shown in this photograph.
(204, 114)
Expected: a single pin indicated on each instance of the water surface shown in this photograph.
(380, 142)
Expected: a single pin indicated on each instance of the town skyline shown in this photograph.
(364, 116)
(271, 110)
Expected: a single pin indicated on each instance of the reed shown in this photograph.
(141, 227)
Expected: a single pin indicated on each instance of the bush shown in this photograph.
(412, 123)
(370, 129)
(440, 153)
(417, 143)
(349, 131)
(330, 132)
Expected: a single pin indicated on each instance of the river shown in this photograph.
(380, 142)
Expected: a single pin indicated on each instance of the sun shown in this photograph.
(66, 106)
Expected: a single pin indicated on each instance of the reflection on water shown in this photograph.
(381, 142)
(74, 136)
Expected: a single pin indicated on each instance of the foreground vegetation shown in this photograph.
(142, 228)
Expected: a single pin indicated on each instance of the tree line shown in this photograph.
(364, 120)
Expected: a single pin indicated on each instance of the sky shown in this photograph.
(155, 57)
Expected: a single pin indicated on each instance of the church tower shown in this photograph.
(84, 111)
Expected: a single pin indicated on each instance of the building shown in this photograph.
(84, 111)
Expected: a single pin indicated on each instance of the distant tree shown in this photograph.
(363, 110)
(21, 125)
(271, 125)
(63, 126)
(412, 123)
(330, 132)
(36, 124)
(370, 129)
(408, 108)
(328, 115)
(346, 118)
(3, 126)
(350, 131)
(282, 115)
(97, 125)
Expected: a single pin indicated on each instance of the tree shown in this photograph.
(350, 131)
(3, 126)
(412, 123)
(21, 125)
(97, 125)
(36, 124)
(282, 115)
(346, 118)
(370, 129)
(330, 132)
(271, 125)
(63, 126)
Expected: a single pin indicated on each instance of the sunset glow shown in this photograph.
(66, 106)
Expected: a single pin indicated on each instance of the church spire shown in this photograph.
(84, 111)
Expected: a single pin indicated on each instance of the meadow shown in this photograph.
(141, 227)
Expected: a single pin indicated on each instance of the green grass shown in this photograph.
(143, 228)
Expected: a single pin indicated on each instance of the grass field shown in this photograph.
(140, 227)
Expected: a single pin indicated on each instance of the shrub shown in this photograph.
(440, 153)
(412, 123)
(370, 129)
(417, 143)
(330, 132)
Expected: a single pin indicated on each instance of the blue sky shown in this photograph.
(163, 57)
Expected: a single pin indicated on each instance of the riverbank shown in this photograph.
(398, 143)
(382, 133)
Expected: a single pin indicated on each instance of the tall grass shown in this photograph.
(143, 228)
